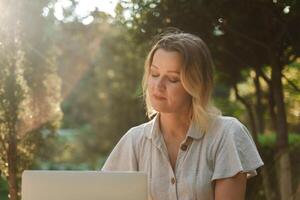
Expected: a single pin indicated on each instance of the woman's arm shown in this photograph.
(233, 188)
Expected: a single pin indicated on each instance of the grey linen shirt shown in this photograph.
(224, 150)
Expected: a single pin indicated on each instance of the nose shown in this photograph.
(161, 84)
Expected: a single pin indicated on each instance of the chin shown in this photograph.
(161, 108)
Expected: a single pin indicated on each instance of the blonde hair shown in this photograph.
(196, 75)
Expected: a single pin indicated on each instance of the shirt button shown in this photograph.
(183, 147)
(173, 181)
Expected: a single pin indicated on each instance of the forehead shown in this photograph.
(167, 60)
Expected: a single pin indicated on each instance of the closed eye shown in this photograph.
(154, 75)
(170, 79)
(173, 80)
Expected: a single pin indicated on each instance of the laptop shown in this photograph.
(84, 185)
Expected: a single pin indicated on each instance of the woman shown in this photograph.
(188, 150)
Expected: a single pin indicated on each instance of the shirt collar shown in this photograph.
(155, 132)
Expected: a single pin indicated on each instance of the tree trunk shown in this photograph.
(272, 108)
(297, 194)
(269, 193)
(12, 117)
(250, 113)
(271, 99)
(12, 167)
(259, 107)
(284, 167)
(13, 97)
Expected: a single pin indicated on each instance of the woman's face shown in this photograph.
(165, 89)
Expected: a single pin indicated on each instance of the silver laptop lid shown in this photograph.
(83, 185)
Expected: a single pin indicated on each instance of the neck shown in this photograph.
(174, 125)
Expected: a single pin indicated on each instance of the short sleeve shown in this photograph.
(123, 156)
(235, 152)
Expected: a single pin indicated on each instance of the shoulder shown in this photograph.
(225, 125)
(225, 122)
(138, 133)
(232, 149)
(228, 128)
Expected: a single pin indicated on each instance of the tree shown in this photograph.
(29, 87)
(107, 99)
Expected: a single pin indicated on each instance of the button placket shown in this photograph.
(182, 152)
(184, 146)
(173, 180)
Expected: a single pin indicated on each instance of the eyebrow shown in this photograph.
(167, 71)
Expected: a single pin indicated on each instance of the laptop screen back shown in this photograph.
(83, 185)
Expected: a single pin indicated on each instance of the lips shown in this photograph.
(159, 97)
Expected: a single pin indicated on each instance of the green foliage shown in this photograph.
(240, 45)
(3, 188)
(96, 71)
(269, 140)
(270, 158)
(29, 86)
(107, 100)
(102, 95)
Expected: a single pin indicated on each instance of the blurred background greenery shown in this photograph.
(70, 80)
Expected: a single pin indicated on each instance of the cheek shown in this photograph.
(178, 95)
(150, 85)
